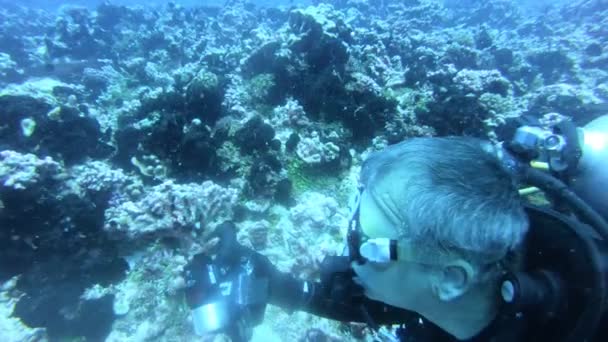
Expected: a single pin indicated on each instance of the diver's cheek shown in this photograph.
(362, 279)
(359, 269)
(366, 290)
(360, 274)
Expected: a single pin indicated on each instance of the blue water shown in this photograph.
(537, 5)
(54, 4)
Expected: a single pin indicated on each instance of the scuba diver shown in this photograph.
(442, 245)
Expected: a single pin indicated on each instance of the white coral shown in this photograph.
(170, 208)
(20, 171)
(291, 114)
(289, 118)
(11, 327)
(312, 151)
(480, 81)
(315, 211)
(98, 175)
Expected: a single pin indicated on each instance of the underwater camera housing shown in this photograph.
(224, 294)
(562, 292)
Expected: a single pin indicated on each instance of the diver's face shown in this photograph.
(401, 284)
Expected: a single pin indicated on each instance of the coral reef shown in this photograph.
(20, 171)
(11, 328)
(174, 210)
(313, 152)
(317, 220)
(65, 132)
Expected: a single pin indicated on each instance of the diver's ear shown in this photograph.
(453, 280)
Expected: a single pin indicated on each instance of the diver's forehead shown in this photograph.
(373, 221)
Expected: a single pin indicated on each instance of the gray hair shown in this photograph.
(449, 192)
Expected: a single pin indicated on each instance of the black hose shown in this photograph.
(560, 190)
(591, 317)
